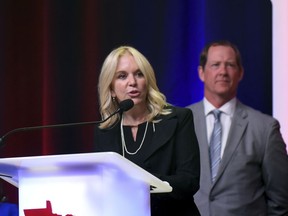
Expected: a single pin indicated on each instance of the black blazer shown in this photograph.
(173, 157)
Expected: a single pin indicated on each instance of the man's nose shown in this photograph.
(223, 69)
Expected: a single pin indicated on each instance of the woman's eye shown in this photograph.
(139, 74)
(121, 76)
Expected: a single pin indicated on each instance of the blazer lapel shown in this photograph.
(112, 139)
(164, 130)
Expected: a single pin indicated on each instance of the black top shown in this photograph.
(171, 153)
(132, 145)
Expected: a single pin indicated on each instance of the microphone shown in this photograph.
(123, 106)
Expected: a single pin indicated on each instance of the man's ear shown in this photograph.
(201, 73)
(241, 74)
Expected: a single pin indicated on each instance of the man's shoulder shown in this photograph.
(253, 113)
(196, 106)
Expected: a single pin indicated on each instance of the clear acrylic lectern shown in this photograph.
(88, 184)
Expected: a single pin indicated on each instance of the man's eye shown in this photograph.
(215, 65)
(231, 65)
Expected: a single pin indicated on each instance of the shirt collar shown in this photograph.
(228, 108)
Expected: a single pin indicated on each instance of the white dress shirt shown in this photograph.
(227, 110)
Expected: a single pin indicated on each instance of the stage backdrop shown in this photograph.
(51, 54)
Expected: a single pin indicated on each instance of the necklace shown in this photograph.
(124, 147)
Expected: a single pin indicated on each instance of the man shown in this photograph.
(249, 176)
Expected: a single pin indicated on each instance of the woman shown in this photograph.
(156, 136)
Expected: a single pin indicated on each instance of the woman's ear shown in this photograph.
(112, 93)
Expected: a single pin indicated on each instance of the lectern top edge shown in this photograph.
(11, 167)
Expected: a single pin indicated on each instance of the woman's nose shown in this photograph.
(132, 80)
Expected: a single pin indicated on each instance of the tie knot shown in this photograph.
(216, 113)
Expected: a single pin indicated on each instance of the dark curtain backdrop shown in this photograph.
(51, 52)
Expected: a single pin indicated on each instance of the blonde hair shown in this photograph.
(156, 101)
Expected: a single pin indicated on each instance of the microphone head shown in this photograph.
(126, 105)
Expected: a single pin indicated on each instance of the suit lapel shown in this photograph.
(238, 127)
(201, 132)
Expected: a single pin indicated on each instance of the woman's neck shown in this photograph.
(134, 118)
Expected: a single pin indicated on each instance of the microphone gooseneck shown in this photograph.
(124, 106)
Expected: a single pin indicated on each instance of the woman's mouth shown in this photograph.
(134, 94)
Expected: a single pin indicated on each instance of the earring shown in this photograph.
(113, 99)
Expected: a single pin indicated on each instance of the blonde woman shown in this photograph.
(153, 134)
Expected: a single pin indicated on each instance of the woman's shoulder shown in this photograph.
(179, 111)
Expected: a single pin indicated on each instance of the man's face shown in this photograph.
(221, 74)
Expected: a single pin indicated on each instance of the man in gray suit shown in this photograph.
(252, 176)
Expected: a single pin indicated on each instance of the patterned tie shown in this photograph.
(215, 145)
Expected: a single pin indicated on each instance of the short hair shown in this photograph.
(204, 52)
(156, 101)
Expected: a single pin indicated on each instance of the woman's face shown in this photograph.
(129, 82)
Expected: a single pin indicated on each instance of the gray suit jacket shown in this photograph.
(253, 175)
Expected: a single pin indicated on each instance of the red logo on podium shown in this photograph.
(43, 212)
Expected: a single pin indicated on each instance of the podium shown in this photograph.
(87, 184)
